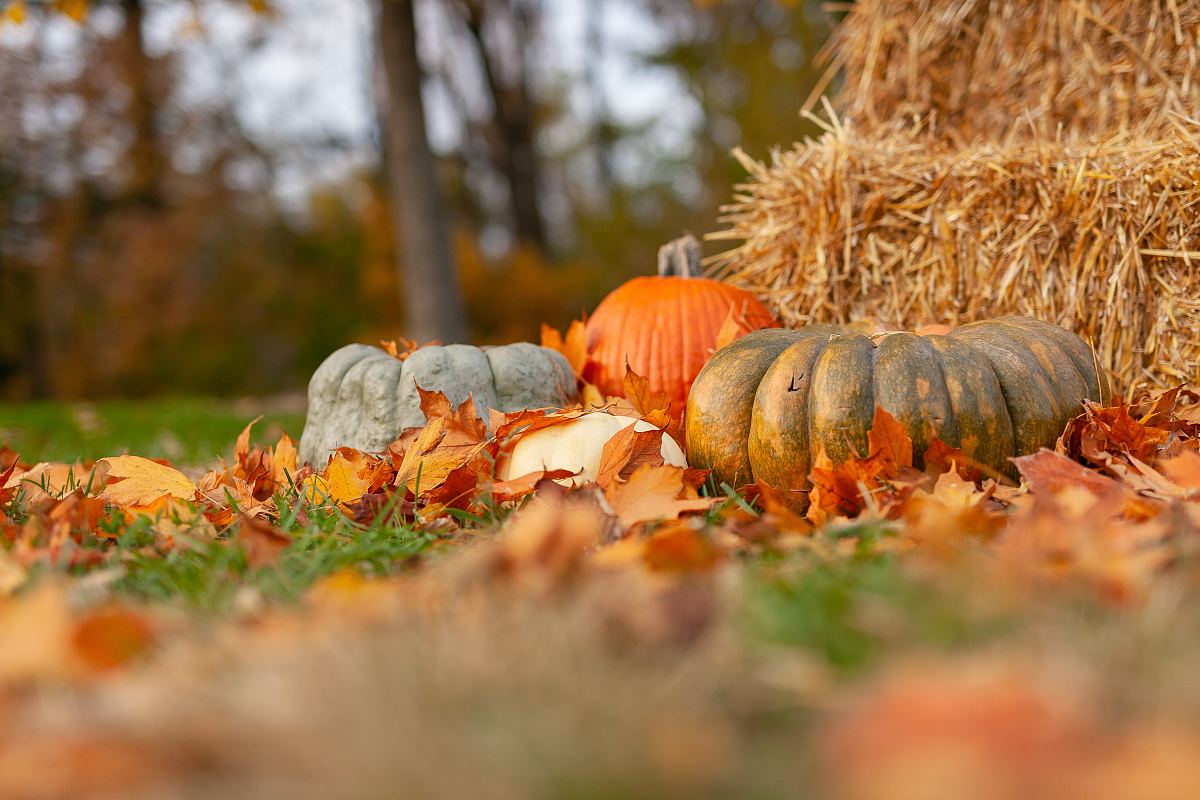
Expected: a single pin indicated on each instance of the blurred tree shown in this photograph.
(529, 154)
(432, 305)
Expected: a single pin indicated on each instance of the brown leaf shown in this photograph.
(44, 483)
(653, 493)
(954, 508)
(842, 490)
(680, 547)
(544, 544)
(941, 458)
(241, 448)
(7, 493)
(524, 485)
(263, 543)
(462, 425)
(76, 513)
(1047, 472)
(890, 443)
(401, 348)
(644, 400)
(627, 450)
(1075, 534)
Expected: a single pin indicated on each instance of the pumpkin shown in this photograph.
(766, 405)
(665, 327)
(576, 445)
(361, 397)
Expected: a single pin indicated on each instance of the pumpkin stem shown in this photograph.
(680, 257)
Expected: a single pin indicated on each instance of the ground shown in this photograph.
(351, 650)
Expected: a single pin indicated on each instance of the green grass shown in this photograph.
(196, 571)
(208, 574)
(188, 431)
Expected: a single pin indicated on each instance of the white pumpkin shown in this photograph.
(577, 446)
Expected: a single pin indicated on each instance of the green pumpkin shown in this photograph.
(765, 406)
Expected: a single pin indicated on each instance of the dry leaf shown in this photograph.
(644, 400)
(627, 450)
(1047, 472)
(654, 493)
(107, 638)
(264, 543)
(680, 547)
(573, 346)
(890, 443)
(137, 481)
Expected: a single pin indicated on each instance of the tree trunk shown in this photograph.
(147, 164)
(433, 309)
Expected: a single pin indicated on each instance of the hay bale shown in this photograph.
(997, 69)
(1103, 238)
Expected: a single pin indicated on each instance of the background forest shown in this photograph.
(203, 196)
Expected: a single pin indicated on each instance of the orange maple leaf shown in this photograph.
(573, 346)
(889, 442)
(680, 547)
(653, 493)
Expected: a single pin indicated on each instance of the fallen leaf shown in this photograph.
(462, 425)
(653, 493)
(44, 483)
(284, 460)
(842, 490)
(941, 457)
(573, 346)
(1047, 472)
(137, 481)
(107, 638)
(889, 442)
(680, 547)
(263, 543)
(401, 348)
(524, 485)
(627, 450)
(644, 400)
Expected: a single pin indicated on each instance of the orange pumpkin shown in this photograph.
(666, 326)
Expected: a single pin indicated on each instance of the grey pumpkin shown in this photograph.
(361, 397)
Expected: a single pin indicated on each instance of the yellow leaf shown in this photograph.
(315, 490)
(15, 12)
(140, 481)
(730, 330)
(283, 460)
(75, 9)
(344, 484)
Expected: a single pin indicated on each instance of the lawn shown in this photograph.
(186, 430)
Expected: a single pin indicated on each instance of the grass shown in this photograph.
(189, 431)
